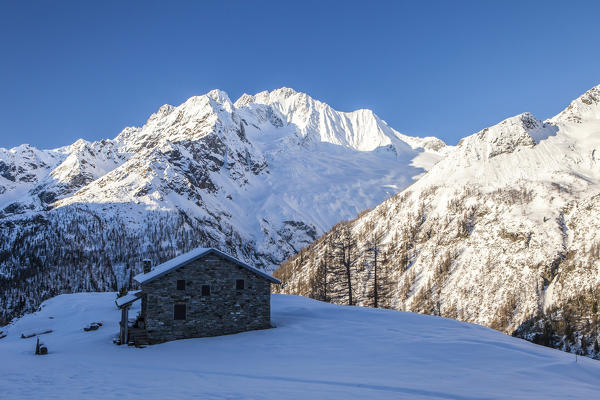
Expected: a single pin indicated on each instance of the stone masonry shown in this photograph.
(226, 310)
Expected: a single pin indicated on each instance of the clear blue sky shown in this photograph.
(449, 68)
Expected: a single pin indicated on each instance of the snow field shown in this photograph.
(316, 351)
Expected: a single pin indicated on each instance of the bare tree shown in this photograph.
(345, 249)
(324, 270)
(374, 246)
(319, 283)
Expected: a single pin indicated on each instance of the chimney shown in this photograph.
(147, 265)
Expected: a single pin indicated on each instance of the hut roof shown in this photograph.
(128, 298)
(190, 256)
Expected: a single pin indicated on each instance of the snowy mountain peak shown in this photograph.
(522, 130)
(280, 94)
(288, 101)
(214, 101)
(244, 100)
(585, 107)
(78, 144)
(163, 110)
(317, 122)
(221, 97)
(287, 92)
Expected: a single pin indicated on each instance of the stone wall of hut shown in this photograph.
(226, 310)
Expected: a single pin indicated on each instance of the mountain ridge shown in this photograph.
(249, 179)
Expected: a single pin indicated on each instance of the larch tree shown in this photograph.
(374, 247)
(345, 249)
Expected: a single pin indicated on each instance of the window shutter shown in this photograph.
(179, 311)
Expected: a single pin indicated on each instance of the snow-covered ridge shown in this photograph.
(258, 178)
(316, 121)
(585, 107)
(504, 137)
(311, 121)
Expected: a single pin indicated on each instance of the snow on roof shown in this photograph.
(192, 255)
(128, 298)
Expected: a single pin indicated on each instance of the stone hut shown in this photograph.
(204, 292)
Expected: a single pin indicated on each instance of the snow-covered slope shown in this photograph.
(585, 107)
(315, 351)
(259, 178)
(22, 168)
(503, 229)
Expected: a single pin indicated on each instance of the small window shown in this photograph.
(179, 311)
(180, 284)
(205, 290)
(239, 284)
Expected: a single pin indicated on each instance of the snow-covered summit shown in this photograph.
(522, 148)
(504, 137)
(318, 122)
(585, 107)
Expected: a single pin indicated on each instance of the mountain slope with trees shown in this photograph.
(503, 232)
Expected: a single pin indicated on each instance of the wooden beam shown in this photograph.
(124, 325)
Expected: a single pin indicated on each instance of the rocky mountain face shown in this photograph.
(259, 178)
(504, 231)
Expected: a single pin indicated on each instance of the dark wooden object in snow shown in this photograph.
(93, 326)
(30, 335)
(40, 348)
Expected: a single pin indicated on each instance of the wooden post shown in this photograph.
(124, 324)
